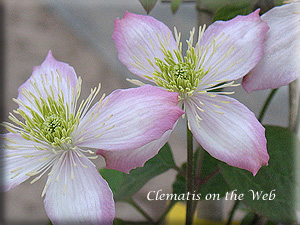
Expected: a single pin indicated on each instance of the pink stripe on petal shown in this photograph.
(237, 49)
(84, 200)
(228, 131)
(130, 119)
(280, 63)
(136, 37)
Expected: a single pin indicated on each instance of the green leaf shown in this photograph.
(148, 4)
(248, 219)
(281, 175)
(278, 2)
(216, 5)
(124, 186)
(175, 5)
(212, 180)
(231, 10)
(252, 218)
(217, 183)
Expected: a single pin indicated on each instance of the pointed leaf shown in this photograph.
(124, 185)
(231, 10)
(281, 176)
(148, 4)
(216, 5)
(175, 5)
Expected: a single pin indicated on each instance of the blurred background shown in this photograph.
(79, 33)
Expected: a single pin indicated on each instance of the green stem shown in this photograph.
(232, 212)
(197, 181)
(179, 170)
(189, 176)
(297, 125)
(140, 210)
(266, 105)
(293, 105)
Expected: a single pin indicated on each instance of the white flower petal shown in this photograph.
(51, 77)
(228, 131)
(130, 159)
(129, 119)
(22, 159)
(232, 48)
(137, 41)
(77, 194)
(280, 63)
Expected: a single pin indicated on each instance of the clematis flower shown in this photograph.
(224, 52)
(280, 63)
(52, 133)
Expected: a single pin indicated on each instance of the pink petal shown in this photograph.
(237, 49)
(136, 37)
(50, 70)
(21, 157)
(129, 119)
(86, 200)
(280, 64)
(228, 131)
(130, 159)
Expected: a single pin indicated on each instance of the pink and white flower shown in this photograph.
(54, 132)
(280, 63)
(224, 52)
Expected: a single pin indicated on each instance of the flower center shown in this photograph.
(55, 129)
(177, 73)
(180, 71)
(53, 122)
(179, 77)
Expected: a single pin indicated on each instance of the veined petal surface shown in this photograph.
(280, 63)
(22, 158)
(228, 131)
(138, 40)
(232, 48)
(51, 78)
(77, 194)
(128, 119)
(130, 159)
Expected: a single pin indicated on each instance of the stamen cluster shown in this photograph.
(177, 73)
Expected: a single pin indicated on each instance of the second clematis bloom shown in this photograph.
(280, 63)
(224, 52)
(54, 134)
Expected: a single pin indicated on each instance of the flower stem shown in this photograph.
(232, 212)
(297, 125)
(140, 210)
(293, 105)
(197, 180)
(266, 105)
(189, 176)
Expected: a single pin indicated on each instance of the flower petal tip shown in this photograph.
(49, 58)
(264, 162)
(246, 86)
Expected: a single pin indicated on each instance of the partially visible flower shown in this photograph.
(56, 133)
(226, 51)
(280, 63)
